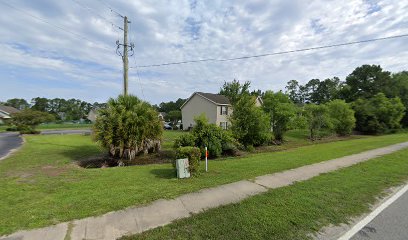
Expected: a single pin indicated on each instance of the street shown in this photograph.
(8, 142)
(390, 224)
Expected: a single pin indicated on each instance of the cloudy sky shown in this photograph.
(73, 56)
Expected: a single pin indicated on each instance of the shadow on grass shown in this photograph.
(164, 173)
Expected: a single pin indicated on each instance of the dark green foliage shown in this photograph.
(378, 114)
(210, 136)
(185, 140)
(281, 111)
(127, 127)
(173, 116)
(250, 124)
(167, 107)
(27, 120)
(400, 89)
(366, 81)
(317, 118)
(342, 117)
(193, 154)
(234, 90)
(18, 103)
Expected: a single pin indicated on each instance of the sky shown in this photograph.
(67, 48)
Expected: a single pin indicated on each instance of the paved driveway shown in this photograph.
(62, 132)
(8, 142)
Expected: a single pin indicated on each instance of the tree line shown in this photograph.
(61, 109)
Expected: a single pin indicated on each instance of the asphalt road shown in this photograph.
(390, 224)
(8, 142)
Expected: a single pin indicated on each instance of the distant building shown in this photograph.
(92, 115)
(162, 116)
(216, 107)
(5, 113)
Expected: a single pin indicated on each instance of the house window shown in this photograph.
(224, 125)
(224, 110)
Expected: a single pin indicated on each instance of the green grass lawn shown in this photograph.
(294, 212)
(168, 138)
(41, 185)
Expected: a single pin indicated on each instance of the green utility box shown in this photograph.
(182, 168)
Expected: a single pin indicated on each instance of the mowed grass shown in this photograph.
(297, 211)
(168, 138)
(41, 185)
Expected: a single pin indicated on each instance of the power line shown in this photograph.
(132, 37)
(96, 13)
(110, 8)
(55, 26)
(271, 54)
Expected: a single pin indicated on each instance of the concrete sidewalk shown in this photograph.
(161, 212)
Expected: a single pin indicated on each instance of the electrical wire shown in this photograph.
(271, 54)
(56, 26)
(96, 13)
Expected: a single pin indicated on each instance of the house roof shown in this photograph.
(214, 98)
(8, 109)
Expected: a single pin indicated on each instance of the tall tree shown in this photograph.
(40, 104)
(250, 125)
(18, 103)
(366, 81)
(234, 90)
(281, 111)
(400, 89)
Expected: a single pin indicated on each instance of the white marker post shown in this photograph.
(206, 159)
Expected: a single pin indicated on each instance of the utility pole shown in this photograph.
(124, 55)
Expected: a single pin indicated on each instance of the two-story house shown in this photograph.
(216, 107)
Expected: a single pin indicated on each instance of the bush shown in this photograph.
(210, 136)
(27, 120)
(127, 127)
(185, 140)
(342, 117)
(378, 114)
(193, 154)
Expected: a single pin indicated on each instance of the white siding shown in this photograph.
(196, 106)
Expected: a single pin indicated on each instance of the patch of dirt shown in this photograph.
(104, 161)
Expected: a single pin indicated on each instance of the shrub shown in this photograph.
(378, 114)
(27, 120)
(128, 127)
(185, 140)
(193, 154)
(250, 125)
(342, 117)
(210, 136)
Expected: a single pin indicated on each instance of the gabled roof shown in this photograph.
(214, 98)
(8, 109)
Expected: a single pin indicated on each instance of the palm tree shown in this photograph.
(127, 127)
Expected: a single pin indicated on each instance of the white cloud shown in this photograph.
(167, 31)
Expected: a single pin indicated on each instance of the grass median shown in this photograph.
(41, 185)
(297, 211)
